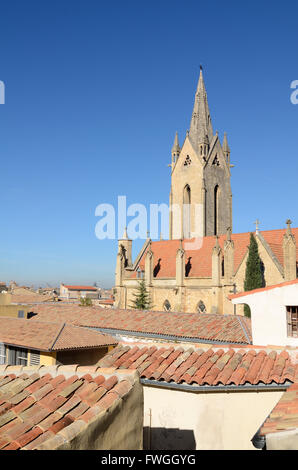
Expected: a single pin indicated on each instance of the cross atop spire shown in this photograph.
(200, 125)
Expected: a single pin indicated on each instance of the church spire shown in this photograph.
(225, 145)
(201, 131)
(226, 148)
(175, 149)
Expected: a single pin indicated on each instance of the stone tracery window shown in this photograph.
(187, 160)
(215, 161)
(167, 306)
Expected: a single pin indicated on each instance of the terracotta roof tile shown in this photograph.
(284, 415)
(50, 335)
(52, 406)
(204, 327)
(80, 287)
(164, 253)
(230, 366)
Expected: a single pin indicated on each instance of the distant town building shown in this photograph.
(76, 292)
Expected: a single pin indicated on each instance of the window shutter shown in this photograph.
(11, 356)
(289, 325)
(292, 320)
(34, 358)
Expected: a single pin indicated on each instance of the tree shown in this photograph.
(253, 273)
(85, 302)
(142, 298)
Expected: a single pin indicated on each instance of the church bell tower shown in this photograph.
(200, 197)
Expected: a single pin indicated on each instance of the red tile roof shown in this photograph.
(284, 415)
(204, 327)
(106, 301)
(263, 289)
(80, 287)
(50, 336)
(274, 238)
(205, 367)
(44, 407)
(164, 253)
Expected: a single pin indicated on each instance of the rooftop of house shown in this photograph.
(199, 261)
(211, 328)
(284, 415)
(50, 335)
(192, 366)
(263, 289)
(47, 407)
(21, 295)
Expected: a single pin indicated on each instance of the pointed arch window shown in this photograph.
(215, 205)
(167, 306)
(186, 211)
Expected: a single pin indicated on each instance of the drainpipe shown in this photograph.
(259, 441)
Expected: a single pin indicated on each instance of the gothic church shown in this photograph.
(203, 262)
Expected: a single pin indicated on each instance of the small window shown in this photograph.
(292, 321)
(201, 308)
(21, 357)
(2, 353)
(17, 356)
(140, 274)
(167, 306)
(21, 314)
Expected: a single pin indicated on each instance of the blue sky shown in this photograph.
(95, 92)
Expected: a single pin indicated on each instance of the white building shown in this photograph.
(274, 313)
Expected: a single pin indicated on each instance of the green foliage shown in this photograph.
(85, 302)
(142, 298)
(253, 273)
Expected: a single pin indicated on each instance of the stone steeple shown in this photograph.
(226, 149)
(175, 149)
(200, 131)
(289, 253)
(200, 196)
(225, 145)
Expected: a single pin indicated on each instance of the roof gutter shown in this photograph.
(217, 388)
